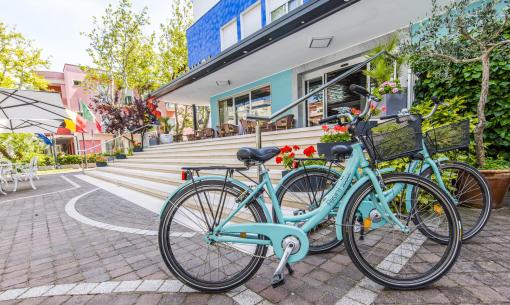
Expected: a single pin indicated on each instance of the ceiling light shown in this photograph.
(320, 42)
(222, 83)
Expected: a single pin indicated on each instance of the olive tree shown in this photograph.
(463, 32)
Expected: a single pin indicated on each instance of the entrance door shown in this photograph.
(339, 95)
(315, 104)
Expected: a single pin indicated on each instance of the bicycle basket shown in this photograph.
(396, 138)
(448, 137)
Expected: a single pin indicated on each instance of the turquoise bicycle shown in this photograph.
(215, 232)
(464, 183)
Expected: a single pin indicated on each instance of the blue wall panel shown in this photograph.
(281, 93)
(204, 35)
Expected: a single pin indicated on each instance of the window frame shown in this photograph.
(249, 91)
(232, 21)
(241, 20)
(269, 19)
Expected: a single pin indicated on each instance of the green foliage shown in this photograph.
(463, 80)
(19, 61)
(70, 159)
(496, 164)
(19, 147)
(450, 111)
(382, 68)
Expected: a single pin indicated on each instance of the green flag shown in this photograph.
(87, 114)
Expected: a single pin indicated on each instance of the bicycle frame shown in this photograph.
(338, 197)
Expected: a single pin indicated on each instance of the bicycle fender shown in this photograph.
(343, 203)
(302, 169)
(236, 182)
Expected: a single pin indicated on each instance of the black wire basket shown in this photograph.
(396, 138)
(448, 137)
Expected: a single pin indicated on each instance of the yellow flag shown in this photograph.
(70, 125)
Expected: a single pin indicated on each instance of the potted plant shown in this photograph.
(137, 147)
(394, 99)
(119, 154)
(497, 173)
(287, 158)
(332, 136)
(101, 161)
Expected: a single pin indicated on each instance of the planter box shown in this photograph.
(312, 185)
(395, 103)
(165, 138)
(153, 141)
(499, 181)
(101, 164)
(325, 149)
(137, 149)
(120, 156)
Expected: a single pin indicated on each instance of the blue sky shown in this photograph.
(55, 25)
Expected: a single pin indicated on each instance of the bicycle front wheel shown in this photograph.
(396, 258)
(471, 192)
(185, 223)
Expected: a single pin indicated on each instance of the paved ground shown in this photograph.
(106, 253)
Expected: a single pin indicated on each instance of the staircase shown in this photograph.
(157, 170)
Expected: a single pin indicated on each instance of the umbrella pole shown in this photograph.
(54, 149)
(84, 150)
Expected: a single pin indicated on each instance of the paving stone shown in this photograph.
(150, 285)
(59, 289)
(105, 287)
(12, 294)
(35, 292)
(127, 286)
(247, 297)
(170, 286)
(82, 288)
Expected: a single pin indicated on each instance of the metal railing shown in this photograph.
(356, 68)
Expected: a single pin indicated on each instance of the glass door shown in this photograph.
(242, 103)
(339, 95)
(314, 104)
(226, 110)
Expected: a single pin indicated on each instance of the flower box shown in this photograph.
(120, 156)
(324, 149)
(101, 164)
(394, 103)
(137, 149)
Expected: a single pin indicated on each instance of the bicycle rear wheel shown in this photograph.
(303, 192)
(470, 189)
(391, 257)
(185, 223)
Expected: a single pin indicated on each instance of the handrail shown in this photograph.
(111, 140)
(347, 73)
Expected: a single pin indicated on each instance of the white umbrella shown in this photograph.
(31, 105)
(29, 126)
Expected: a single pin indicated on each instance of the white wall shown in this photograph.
(200, 7)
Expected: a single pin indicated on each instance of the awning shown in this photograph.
(29, 126)
(31, 105)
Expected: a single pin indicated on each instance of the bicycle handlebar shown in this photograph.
(437, 102)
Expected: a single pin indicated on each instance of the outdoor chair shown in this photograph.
(286, 122)
(266, 126)
(226, 130)
(248, 126)
(4, 173)
(25, 172)
(208, 133)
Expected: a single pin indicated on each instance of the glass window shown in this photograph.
(229, 35)
(252, 20)
(315, 104)
(226, 109)
(280, 10)
(339, 95)
(242, 103)
(261, 101)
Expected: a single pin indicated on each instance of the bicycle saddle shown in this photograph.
(341, 151)
(246, 154)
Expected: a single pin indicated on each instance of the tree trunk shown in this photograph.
(176, 119)
(480, 111)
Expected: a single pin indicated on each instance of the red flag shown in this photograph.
(99, 127)
(81, 124)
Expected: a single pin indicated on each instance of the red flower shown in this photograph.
(295, 147)
(325, 127)
(309, 151)
(295, 164)
(279, 160)
(383, 108)
(355, 111)
(339, 128)
(285, 149)
(291, 155)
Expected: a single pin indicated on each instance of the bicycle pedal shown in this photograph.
(278, 280)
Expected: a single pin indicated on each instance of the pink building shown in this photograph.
(68, 84)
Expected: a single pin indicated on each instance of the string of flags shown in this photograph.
(78, 123)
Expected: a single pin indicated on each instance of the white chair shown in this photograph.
(25, 172)
(3, 176)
